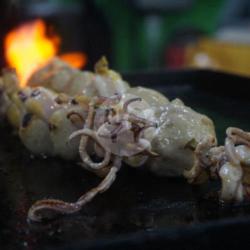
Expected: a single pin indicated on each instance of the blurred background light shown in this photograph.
(142, 34)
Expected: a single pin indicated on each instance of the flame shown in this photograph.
(75, 59)
(28, 47)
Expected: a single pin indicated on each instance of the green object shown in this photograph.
(133, 47)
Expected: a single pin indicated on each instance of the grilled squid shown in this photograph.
(62, 78)
(73, 114)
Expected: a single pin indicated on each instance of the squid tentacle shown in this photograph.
(230, 152)
(85, 133)
(136, 119)
(201, 162)
(129, 101)
(238, 136)
(84, 155)
(47, 209)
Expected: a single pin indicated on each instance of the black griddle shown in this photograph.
(140, 211)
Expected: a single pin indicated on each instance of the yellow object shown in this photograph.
(13, 115)
(34, 106)
(219, 55)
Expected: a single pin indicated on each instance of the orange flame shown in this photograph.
(27, 47)
(75, 59)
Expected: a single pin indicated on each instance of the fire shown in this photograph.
(28, 47)
(75, 59)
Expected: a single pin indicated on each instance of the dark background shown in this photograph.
(134, 34)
